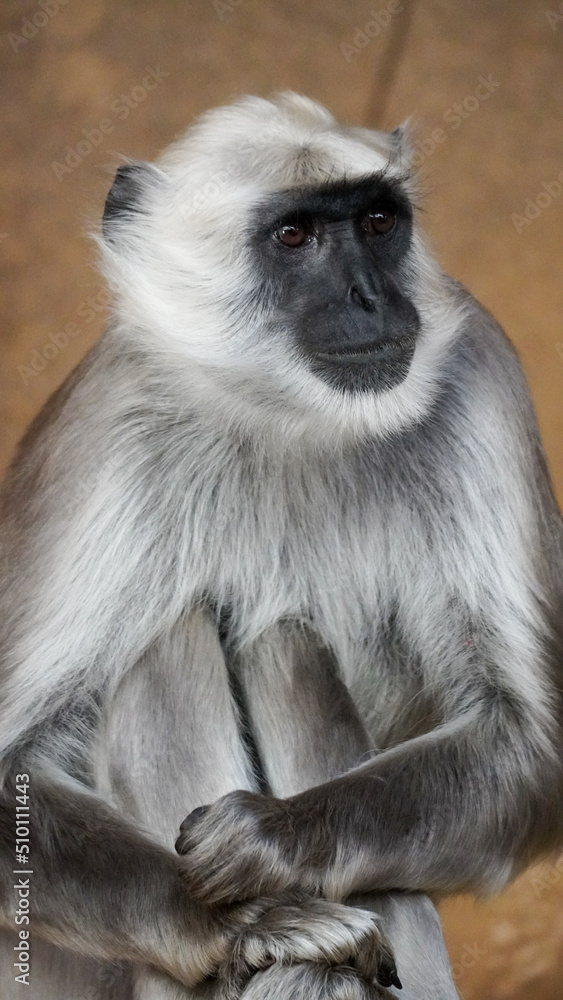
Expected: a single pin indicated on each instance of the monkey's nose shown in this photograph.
(365, 289)
(362, 297)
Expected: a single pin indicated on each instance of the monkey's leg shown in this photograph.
(307, 731)
(171, 742)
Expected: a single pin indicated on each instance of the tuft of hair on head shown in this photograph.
(303, 110)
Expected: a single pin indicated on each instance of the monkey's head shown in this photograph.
(272, 261)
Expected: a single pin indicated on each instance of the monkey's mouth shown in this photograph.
(362, 353)
(367, 367)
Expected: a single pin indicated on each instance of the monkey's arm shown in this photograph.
(462, 807)
(98, 887)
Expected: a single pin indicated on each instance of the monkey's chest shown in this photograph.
(322, 568)
(348, 570)
(329, 568)
(342, 587)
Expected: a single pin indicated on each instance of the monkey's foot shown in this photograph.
(311, 931)
(310, 982)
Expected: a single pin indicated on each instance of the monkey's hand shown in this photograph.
(298, 929)
(244, 846)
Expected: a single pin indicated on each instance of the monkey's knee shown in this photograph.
(413, 926)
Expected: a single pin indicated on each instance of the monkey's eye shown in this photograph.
(380, 221)
(292, 234)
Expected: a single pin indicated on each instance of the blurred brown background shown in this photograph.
(85, 82)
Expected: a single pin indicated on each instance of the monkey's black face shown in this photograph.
(333, 262)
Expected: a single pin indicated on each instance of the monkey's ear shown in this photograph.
(127, 196)
(401, 144)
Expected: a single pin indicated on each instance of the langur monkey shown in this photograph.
(296, 434)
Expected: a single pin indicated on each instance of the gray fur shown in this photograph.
(194, 468)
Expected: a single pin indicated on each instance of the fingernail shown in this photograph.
(387, 976)
(193, 816)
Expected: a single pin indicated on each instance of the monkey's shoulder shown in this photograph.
(483, 348)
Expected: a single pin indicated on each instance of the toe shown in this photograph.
(387, 974)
